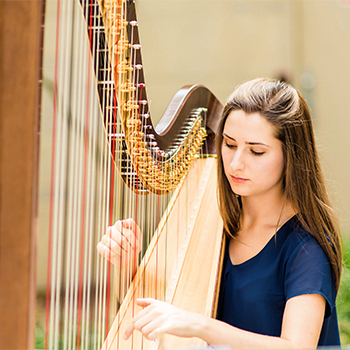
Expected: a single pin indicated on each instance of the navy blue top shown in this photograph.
(253, 294)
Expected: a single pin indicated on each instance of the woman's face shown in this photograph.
(252, 156)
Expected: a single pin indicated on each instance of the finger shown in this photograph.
(144, 302)
(101, 249)
(129, 330)
(134, 232)
(125, 234)
(117, 239)
(152, 332)
(152, 321)
(138, 322)
(113, 245)
(105, 252)
(116, 254)
(141, 319)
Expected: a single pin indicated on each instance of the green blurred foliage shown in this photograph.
(343, 300)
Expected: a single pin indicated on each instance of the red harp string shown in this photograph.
(101, 197)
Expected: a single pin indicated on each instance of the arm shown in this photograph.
(301, 326)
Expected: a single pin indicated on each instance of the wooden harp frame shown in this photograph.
(19, 149)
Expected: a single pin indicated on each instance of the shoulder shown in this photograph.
(301, 249)
(294, 239)
(306, 267)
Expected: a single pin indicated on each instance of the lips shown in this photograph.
(238, 180)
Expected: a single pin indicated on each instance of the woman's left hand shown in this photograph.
(159, 317)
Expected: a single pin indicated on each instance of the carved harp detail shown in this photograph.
(153, 160)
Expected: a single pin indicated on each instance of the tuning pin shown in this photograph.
(136, 47)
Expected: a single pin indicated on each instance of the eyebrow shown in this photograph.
(248, 143)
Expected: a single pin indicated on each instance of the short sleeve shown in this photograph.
(308, 271)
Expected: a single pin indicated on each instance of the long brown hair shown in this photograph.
(303, 182)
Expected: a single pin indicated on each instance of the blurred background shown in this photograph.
(222, 43)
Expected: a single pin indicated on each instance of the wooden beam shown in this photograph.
(20, 61)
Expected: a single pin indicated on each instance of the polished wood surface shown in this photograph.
(20, 57)
(189, 240)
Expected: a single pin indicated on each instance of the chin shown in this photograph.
(238, 192)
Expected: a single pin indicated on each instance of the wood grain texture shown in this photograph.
(20, 43)
(189, 240)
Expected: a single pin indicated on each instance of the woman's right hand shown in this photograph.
(121, 243)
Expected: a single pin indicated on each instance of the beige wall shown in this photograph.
(221, 43)
(327, 57)
(215, 43)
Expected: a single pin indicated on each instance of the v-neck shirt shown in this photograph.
(253, 294)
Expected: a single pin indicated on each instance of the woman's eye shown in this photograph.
(257, 153)
(228, 145)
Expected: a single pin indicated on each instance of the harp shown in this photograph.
(153, 161)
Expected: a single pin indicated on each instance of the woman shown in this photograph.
(283, 259)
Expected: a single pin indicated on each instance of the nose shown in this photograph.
(237, 162)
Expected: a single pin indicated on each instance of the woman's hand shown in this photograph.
(158, 318)
(121, 243)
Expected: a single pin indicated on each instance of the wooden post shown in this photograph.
(20, 61)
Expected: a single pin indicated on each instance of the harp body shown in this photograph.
(189, 278)
(188, 275)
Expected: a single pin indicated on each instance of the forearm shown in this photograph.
(301, 325)
(217, 333)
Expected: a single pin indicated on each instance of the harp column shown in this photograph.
(20, 61)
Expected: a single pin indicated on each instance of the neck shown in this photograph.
(269, 210)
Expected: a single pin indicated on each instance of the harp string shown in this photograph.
(76, 157)
(111, 130)
(85, 195)
(50, 234)
(110, 127)
(133, 199)
(94, 43)
(102, 286)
